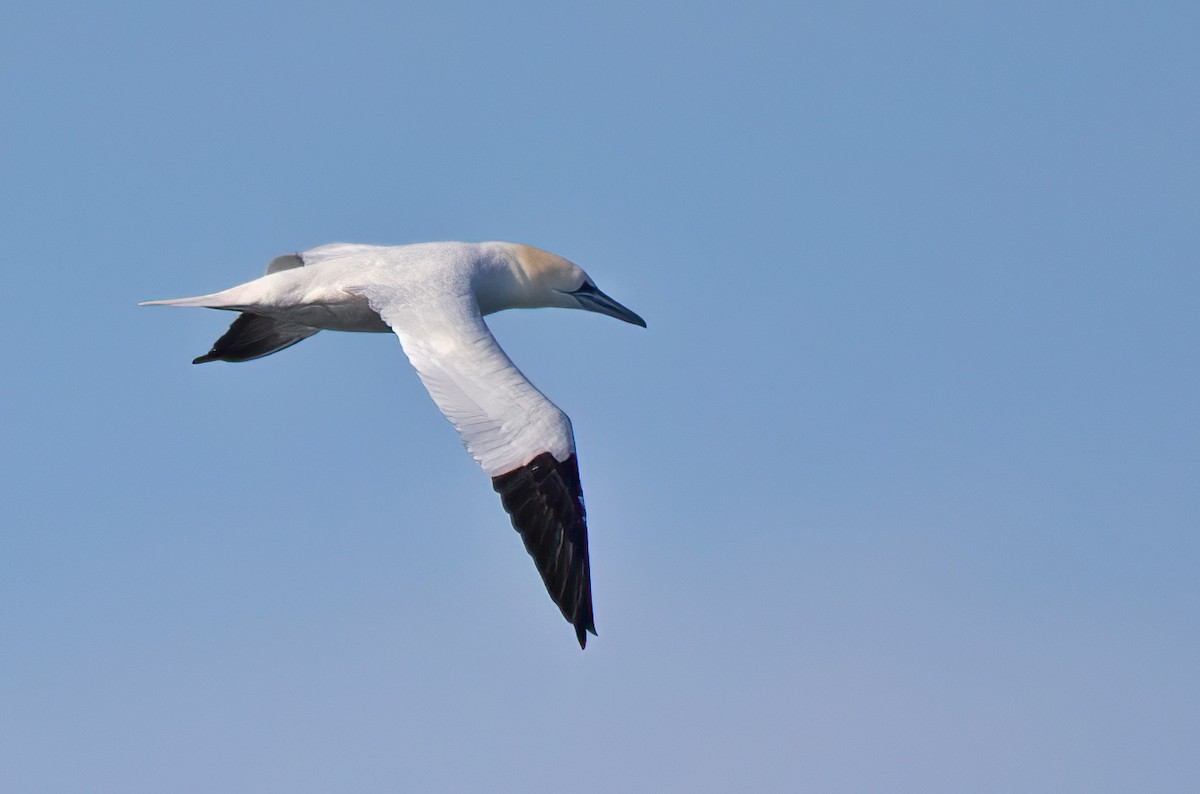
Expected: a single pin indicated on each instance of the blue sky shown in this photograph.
(898, 491)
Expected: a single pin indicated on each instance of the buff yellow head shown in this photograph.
(551, 280)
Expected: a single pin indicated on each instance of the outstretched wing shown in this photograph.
(520, 438)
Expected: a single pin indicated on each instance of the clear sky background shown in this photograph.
(900, 490)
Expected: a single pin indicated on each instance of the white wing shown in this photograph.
(504, 421)
(518, 436)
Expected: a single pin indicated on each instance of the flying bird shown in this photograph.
(434, 296)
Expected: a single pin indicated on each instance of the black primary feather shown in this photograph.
(254, 336)
(545, 500)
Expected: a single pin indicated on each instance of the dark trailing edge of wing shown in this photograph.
(254, 336)
(545, 501)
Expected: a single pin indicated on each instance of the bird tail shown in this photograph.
(251, 335)
(216, 300)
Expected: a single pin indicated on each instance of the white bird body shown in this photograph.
(323, 289)
(433, 296)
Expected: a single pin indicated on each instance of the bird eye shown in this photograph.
(587, 288)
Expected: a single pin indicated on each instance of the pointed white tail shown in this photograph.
(217, 300)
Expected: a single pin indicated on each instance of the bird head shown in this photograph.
(551, 280)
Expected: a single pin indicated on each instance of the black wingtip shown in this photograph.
(545, 502)
(581, 632)
(253, 336)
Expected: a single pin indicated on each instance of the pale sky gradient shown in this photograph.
(899, 491)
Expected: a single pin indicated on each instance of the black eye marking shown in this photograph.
(588, 288)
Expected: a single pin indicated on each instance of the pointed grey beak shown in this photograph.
(594, 300)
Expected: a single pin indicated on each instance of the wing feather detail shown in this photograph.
(520, 438)
(545, 501)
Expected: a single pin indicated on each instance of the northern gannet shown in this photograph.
(434, 296)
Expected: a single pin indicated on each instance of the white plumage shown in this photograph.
(433, 296)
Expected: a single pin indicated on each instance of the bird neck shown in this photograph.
(501, 282)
